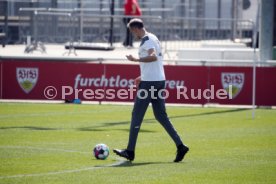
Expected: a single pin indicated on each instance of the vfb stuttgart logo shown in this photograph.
(27, 78)
(236, 80)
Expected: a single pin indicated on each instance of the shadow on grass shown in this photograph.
(29, 128)
(126, 163)
(112, 124)
(208, 113)
(137, 164)
(103, 126)
(116, 129)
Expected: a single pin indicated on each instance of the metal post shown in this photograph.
(163, 6)
(80, 5)
(31, 21)
(5, 23)
(111, 23)
(190, 23)
(274, 37)
(219, 16)
(266, 32)
(182, 9)
(101, 18)
(54, 29)
(199, 23)
(255, 37)
(182, 14)
(35, 24)
(234, 17)
(239, 17)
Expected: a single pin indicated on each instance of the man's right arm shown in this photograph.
(137, 81)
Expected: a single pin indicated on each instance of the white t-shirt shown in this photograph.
(151, 71)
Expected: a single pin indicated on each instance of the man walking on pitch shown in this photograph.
(152, 79)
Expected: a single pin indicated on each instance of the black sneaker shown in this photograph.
(129, 155)
(181, 152)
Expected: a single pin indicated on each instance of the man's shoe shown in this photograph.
(181, 152)
(129, 155)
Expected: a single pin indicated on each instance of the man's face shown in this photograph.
(135, 32)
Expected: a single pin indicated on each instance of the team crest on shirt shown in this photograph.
(235, 80)
(27, 78)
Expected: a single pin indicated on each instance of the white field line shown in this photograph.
(117, 163)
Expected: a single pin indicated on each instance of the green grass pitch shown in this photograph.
(52, 143)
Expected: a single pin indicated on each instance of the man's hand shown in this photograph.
(131, 58)
(137, 81)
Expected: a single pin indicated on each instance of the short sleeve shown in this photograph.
(148, 45)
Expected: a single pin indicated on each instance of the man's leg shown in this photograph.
(138, 113)
(159, 110)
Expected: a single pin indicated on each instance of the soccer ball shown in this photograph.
(101, 151)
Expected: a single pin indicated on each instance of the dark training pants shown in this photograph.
(140, 107)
